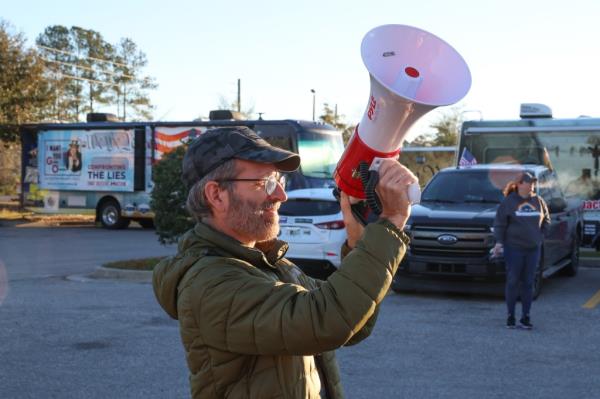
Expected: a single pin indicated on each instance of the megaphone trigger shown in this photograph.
(376, 164)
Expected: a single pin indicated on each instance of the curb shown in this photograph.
(138, 276)
(589, 263)
(145, 276)
(22, 222)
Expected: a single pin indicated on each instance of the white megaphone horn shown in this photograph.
(412, 72)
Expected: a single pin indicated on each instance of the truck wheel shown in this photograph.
(110, 216)
(571, 269)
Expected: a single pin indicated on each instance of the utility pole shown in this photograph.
(313, 93)
(239, 101)
(124, 102)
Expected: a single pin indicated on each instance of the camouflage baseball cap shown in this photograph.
(216, 146)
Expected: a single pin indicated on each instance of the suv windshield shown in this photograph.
(468, 186)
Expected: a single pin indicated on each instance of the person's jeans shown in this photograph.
(521, 265)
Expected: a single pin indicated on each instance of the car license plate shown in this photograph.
(296, 232)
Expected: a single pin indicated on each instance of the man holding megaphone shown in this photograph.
(252, 324)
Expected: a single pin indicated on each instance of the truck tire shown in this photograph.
(571, 269)
(110, 216)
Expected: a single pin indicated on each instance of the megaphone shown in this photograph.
(412, 72)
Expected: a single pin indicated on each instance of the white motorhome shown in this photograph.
(104, 167)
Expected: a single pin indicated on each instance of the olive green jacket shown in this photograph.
(254, 326)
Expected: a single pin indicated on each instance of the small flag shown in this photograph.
(547, 162)
(466, 158)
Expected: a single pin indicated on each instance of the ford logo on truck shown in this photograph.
(447, 239)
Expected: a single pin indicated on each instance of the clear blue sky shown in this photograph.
(518, 51)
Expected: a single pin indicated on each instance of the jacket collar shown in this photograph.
(226, 245)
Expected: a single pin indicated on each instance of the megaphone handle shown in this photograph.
(358, 210)
(414, 190)
(414, 193)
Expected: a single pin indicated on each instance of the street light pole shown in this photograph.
(313, 93)
(239, 101)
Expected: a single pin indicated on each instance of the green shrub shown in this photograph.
(168, 198)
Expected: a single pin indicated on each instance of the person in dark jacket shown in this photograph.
(252, 324)
(519, 227)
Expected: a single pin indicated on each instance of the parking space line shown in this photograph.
(593, 301)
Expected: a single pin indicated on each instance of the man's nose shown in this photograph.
(279, 193)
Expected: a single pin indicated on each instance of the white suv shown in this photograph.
(311, 223)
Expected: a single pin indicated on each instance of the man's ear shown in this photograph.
(217, 198)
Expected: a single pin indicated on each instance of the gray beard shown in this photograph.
(245, 218)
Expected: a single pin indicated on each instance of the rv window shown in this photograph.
(277, 135)
(574, 155)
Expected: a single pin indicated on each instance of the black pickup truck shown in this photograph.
(451, 230)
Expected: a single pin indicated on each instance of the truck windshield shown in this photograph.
(467, 186)
(319, 150)
(574, 155)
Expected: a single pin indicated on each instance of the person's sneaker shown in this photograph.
(525, 323)
(510, 322)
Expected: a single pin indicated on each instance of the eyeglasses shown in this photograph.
(270, 182)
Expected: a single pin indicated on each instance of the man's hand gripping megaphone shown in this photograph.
(390, 189)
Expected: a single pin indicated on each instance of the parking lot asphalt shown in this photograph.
(66, 333)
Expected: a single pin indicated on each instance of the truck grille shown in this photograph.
(471, 241)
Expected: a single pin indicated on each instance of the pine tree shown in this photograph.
(331, 117)
(24, 93)
(446, 130)
(89, 74)
(169, 196)
(131, 87)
